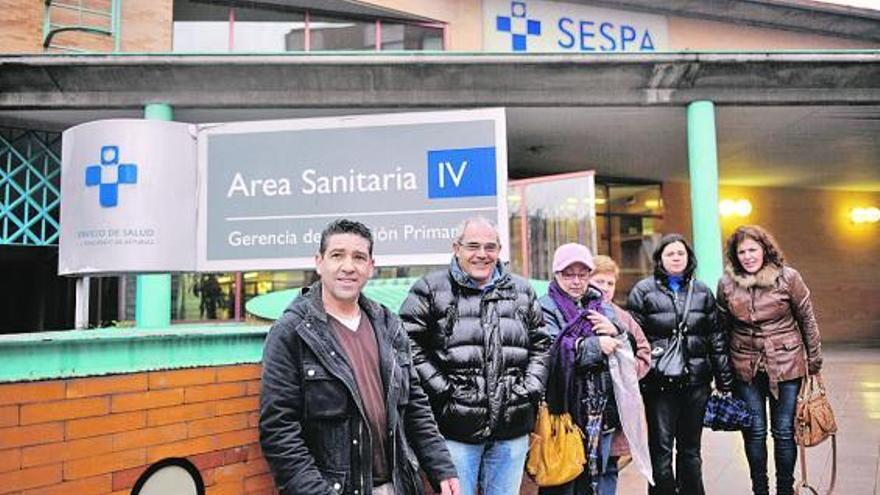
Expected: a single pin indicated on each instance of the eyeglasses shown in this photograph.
(571, 276)
(473, 247)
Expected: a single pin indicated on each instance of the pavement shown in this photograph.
(852, 377)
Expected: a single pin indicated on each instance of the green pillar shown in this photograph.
(152, 307)
(703, 165)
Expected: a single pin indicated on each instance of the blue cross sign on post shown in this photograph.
(109, 174)
(518, 25)
(458, 173)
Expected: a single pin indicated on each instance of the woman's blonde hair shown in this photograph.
(604, 264)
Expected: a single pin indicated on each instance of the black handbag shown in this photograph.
(669, 355)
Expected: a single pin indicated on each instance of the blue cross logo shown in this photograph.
(518, 25)
(109, 174)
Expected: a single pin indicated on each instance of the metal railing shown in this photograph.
(98, 17)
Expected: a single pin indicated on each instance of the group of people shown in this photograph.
(356, 399)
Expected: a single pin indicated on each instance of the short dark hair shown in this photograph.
(345, 226)
(666, 240)
(772, 253)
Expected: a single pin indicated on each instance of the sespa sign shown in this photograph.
(163, 196)
(537, 26)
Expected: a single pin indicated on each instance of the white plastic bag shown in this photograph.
(630, 408)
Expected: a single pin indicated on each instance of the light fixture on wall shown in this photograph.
(735, 207)
(870, 214)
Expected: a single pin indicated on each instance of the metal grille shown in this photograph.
(30, 187)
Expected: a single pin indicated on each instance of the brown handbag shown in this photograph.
(814, 423)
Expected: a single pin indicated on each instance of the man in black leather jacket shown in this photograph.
(341, 408)
(481, 350)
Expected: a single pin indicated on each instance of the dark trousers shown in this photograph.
(675, 421)
(756, 395)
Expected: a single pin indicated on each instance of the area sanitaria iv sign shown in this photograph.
(256, 195)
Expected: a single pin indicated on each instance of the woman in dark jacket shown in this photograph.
(675, 409)
(765, 306)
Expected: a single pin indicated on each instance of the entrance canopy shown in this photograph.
(798, 119)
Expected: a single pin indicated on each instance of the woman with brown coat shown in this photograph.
(766, 308)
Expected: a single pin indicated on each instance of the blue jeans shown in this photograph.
(607, 467)
(496, 465)
(756, 395)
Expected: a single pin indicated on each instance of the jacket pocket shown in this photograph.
(742, 359)
(336, 479)
(788, 358)
(519, 408)
(324, 395)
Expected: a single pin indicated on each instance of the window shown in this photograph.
(547, 212)
(203, 296)
(333, 33)
(200, 27)
(629, 219)
(411, 37)
(256, 29)
(247, 27)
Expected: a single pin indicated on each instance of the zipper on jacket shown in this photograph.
(356, 397)
(363, 458)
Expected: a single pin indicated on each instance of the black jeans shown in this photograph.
(675, 420)
(756, 395)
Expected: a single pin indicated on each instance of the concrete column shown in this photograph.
(703, 166)
(153, 294)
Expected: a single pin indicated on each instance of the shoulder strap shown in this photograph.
(804, 486)
(687, 301)
(682, 319)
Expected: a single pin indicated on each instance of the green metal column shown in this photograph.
(153, 297)
(703, 165)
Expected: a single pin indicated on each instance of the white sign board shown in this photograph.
(128, 197)
(154, 196)
(269, 188)
(535, 26)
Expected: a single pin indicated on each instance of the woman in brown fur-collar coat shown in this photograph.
(766, 308)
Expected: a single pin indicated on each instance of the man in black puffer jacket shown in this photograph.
(480, 348)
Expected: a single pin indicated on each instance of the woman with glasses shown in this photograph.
(587, 328)
(670, 304)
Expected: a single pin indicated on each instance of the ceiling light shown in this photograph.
(869, 214)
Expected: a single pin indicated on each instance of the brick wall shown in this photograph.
(144, 27)
(837, 259)
(21, 26)
(97, 435)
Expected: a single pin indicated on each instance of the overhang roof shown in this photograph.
(784, 119)
(439, 80)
